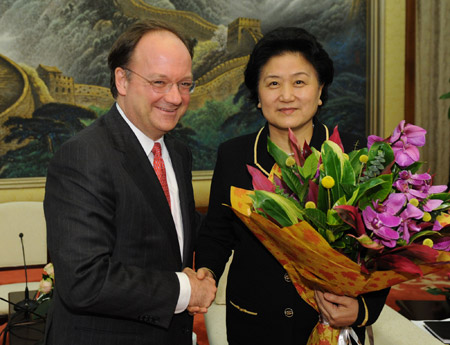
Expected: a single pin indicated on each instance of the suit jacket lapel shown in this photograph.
(180, 173)
(136, 163)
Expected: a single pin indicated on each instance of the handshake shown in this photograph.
(203, 290)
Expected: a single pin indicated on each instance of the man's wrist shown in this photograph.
(185, 292)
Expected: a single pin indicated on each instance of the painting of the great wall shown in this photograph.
(54, 79)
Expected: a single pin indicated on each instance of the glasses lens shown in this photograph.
(191, 89)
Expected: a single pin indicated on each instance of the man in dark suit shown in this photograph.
(120, 209)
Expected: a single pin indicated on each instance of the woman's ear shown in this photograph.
(319, 101)
(121, 81)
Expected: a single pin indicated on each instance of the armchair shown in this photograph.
(16, 217)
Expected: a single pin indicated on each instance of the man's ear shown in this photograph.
(121, 81)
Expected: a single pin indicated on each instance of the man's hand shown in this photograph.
(203, 290)
(339, 311)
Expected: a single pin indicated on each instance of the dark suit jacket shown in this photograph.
(263, 306)
(113, 242)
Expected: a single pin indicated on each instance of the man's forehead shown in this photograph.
(160, 42)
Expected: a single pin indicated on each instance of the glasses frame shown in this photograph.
(166, 89)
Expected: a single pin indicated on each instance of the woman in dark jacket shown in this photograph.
(288, 75)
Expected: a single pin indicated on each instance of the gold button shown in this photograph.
(286, 278)
(288, 312)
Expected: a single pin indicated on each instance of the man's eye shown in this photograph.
(185, 84)
(159, 83)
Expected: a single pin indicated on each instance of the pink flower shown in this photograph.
(409, 225)
(442, 244)
(405, 153)
(405, 140)
(381, 219)
(410, 134)
(371, 139)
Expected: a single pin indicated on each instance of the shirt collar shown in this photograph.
(145, 141)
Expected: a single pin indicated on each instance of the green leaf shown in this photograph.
(441, 196)
(316, 218)
(333, 163)
(292, 180)
(424, 233)
(309, 169)
(378, 191)
(413, 168)
(289, 177)
(354, 159)
(282, 209)
(381, 146)
(278, 154)
(333, 218)
(445, 96)
(330, 236)
(442, 207)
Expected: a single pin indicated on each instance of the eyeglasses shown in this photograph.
(161, 86)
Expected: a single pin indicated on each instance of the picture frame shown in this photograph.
(373, 117)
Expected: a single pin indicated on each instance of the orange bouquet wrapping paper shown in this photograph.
(313, 264)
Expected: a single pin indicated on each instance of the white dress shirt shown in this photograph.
(147, 145)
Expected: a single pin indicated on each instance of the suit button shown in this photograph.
(287, 278)
(288, 312)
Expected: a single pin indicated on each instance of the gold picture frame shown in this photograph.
(374, 98)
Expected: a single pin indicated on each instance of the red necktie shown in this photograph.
(160, 170)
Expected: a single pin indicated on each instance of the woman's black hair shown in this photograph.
(288, 40)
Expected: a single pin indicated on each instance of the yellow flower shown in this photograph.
(428, 242)
(414, 202)
(328, 182)
(426, 217)
(310, 204)
(363, 158)
(290, 161)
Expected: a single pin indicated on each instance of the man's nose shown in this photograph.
(173, 96)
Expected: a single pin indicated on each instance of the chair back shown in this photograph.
(25, 217)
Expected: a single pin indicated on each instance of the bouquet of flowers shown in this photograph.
(46, 284)
(349, 223)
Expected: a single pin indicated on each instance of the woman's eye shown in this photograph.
(274, 83)
(299, 82)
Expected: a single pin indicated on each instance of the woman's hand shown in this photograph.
(339, 311)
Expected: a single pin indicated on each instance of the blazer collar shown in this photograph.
(262, 158)
(136, 163)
